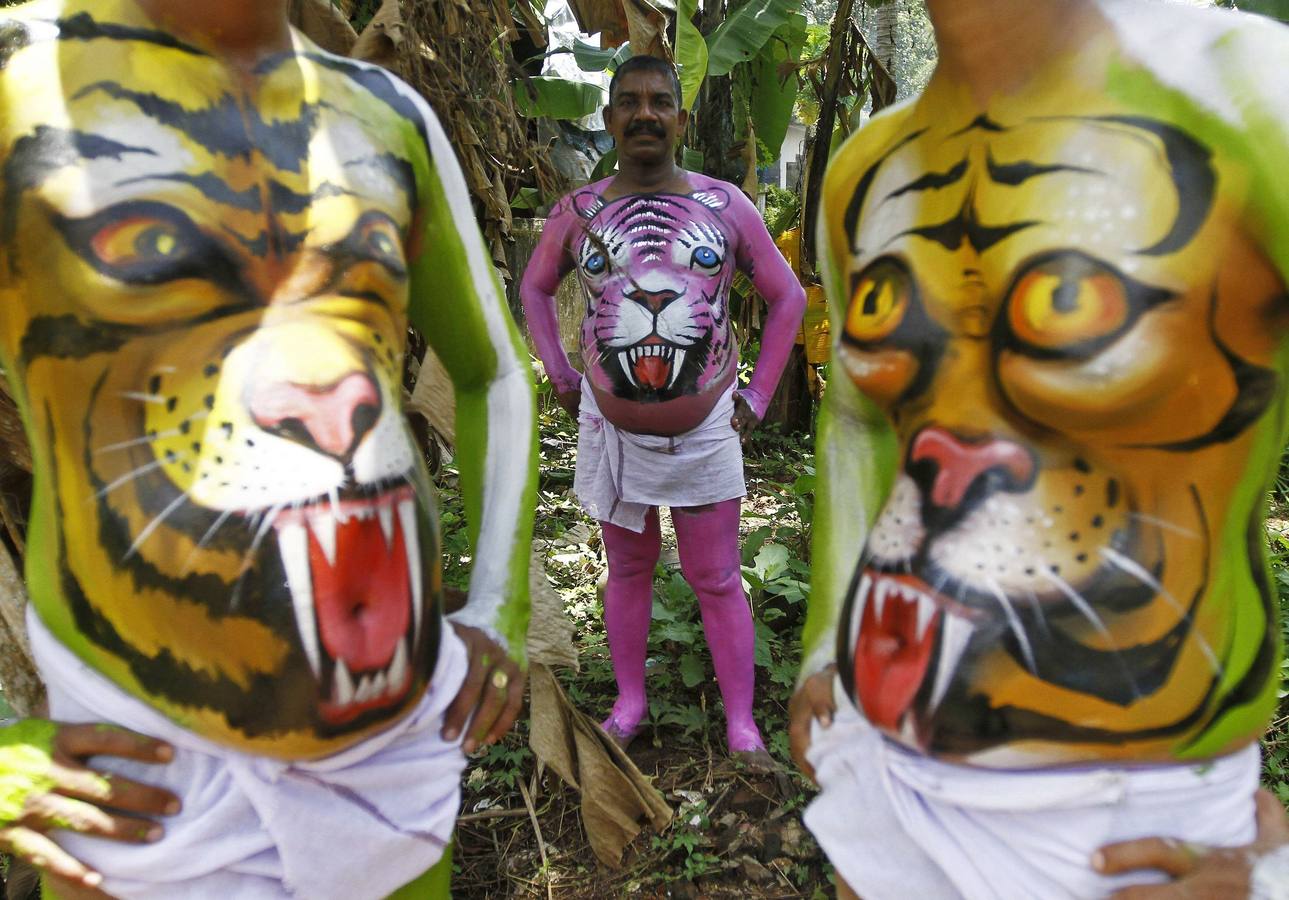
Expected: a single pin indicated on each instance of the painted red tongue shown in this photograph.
(653, 371)
(890, 661)
(363, 603)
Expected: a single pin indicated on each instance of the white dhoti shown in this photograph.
(897, 825)
(359, 824)
(620, 474)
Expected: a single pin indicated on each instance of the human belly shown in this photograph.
(666, 418)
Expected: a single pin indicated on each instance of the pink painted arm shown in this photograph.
(778, 284)
(549, 264)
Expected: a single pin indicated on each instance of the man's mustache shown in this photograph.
(650, 128)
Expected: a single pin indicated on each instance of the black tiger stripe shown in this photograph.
(212, 188)
(850, 219)
(255, 710)
(376, 82)
(1121, 675)
(36, 156)
(84, 27)
(981, 122)
(931, 181)
(67, 337)
(966, 227)
(1016, 174)
(226, 127)
(1261, 671)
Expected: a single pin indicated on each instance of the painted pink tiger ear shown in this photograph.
(712, 198)
(587, 203)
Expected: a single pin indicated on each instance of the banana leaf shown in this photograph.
(592, 59)
(775, 84)
(691, 52)
(745, 31)
(558, 98)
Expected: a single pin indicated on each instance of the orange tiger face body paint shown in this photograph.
(205, 303)
(1074, 330)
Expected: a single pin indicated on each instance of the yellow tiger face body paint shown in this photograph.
(204, 313)
(1063, 308)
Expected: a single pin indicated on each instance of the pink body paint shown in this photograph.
(707, 538)
(655, 271)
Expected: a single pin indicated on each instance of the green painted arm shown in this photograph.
(856, 456)
(459, 305)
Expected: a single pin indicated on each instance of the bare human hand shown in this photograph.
(46, 784)
(813, 700)
(571, 401)
(1215, 873)
(745, 419)
(491, 695)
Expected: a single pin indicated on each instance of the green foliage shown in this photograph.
(686, 843)
(782, 210)
(691, 52)
(775, 84)
(1276, 9)
(745, 31)
(557, 98)
(1275, 745)
(592, 59)
(361, 12)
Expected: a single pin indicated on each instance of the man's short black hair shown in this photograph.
(646, 64)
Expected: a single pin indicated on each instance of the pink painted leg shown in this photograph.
(707, 538)
(628, 607)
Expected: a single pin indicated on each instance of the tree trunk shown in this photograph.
(714, 113)
(885, 33)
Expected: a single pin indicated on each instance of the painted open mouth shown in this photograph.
(354, 571)
(899, 618)
(652, 363)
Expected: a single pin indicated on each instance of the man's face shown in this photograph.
(644, 117)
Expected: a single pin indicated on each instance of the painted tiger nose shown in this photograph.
(958, 464)
(332, 418)
(655, 300)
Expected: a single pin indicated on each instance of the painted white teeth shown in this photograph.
(386, 514)
(407, 520)
(677, 361)
(857, 613)
(377, 685)
(625, 360)
(879, 598)
(908, 731)
(398, 668)
(324, 531)
(293, 546)
(926, 613)
(364, 691)
(343, 691)
(955, 634)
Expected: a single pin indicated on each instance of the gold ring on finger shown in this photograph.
(500, 680)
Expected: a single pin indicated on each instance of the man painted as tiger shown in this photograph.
(1058, 280)
(655, 249)
(213, 238)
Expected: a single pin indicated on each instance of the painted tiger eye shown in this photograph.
(1059, 304)
(136, 240)
(880, 300)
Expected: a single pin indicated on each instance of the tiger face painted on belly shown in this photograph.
(656, 271)
(1063, 314)
(205, 308)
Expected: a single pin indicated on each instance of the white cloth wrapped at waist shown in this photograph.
(359, 824)
(621, 474)
(896, 824)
